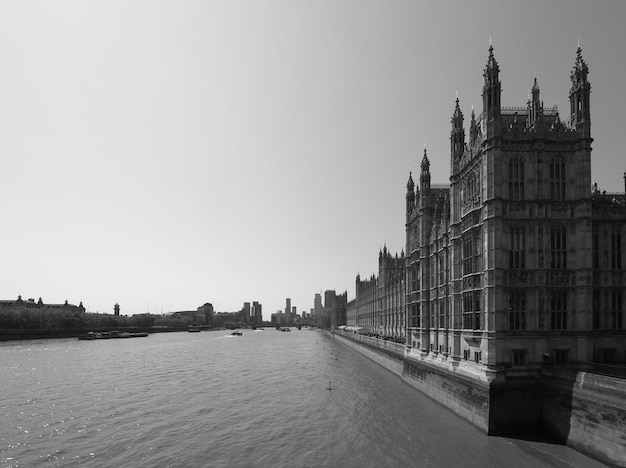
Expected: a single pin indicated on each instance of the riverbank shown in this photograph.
(580, 409)
(15, 335)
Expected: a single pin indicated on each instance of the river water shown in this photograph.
(213, 400)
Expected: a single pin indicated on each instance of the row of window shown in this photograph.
(519, 357)
(614, 260)
(471, 254)
(556, 179)
(558, 248)
(610, 317)
(517, 247)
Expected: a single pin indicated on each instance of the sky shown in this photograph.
(165, 154)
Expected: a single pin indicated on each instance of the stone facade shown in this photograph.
(351, 313)
(380, 303)
(518, 262)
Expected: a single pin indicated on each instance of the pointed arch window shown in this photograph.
(470, 254)
(557, 179)
(470, 191)
(471, 310)
(558, 314)
(517, 310)
(517, 247)
(616, 248)
(558, 248)
(516, 179)
(614, 320)
(595, 242)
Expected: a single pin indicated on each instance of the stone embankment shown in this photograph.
(580, 408)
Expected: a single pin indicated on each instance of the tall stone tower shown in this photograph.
(499, 263)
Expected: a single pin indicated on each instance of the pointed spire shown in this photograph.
(410, 195)
(425, 175)
(535, 106)
(580, 66)
(492, 64)
(579, 95)
(425, 162)
(473, 129)
(491, 88)
(457, 134)
(410, 186)
(457, 116)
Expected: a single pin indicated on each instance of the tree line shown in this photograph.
(59, 319)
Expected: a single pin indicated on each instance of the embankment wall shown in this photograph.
(584, 410)
(390, 357)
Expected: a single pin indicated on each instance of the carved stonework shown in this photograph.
(518, 278)
(559, 210)
(468, 283)
(559, 278)
(517, 210)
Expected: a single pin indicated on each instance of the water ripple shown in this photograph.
(210, 399)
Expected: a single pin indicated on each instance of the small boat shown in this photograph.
(194, 328)
(330, 386)
(236, 333)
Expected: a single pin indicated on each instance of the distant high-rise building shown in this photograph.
(318, 308)
(245, 312)
(256, 313)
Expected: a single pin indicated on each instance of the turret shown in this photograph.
(410, 195)
(457, 135)
(491, 94)
(425, 175)
(579, 96)
(535, 106)
(474, 130)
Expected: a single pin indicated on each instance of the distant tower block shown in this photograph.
(116, 309)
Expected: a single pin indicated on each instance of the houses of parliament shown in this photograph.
(520, 260)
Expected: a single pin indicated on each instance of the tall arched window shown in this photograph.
(516, 179)
(558, 248)
(616, 248)
(517, 247)
(557, 179)
(517, 310)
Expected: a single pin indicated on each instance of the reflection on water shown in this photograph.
(212, 399)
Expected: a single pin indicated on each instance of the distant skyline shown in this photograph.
(162, 155)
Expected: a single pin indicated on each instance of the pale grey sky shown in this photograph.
(164, 154)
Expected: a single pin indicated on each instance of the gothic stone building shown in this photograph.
(518, 262)
(380, 303)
